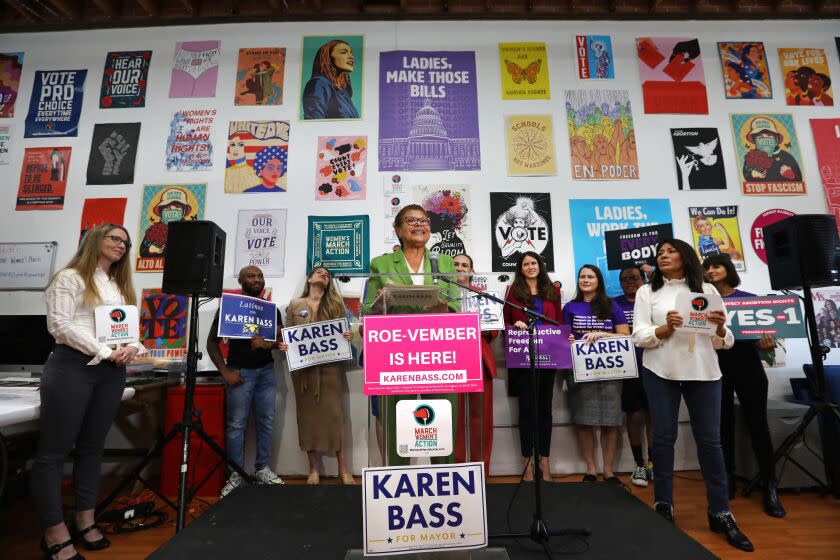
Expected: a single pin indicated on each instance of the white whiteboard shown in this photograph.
(26, 266)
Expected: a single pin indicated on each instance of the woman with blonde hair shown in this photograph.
(81, 386)
(328, 94)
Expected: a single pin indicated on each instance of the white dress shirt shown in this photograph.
(71, 322)
(682, 356)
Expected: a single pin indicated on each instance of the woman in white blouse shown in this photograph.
(82, 385)
(683, 365)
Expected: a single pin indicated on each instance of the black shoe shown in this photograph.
(770, 500)
(730, 483)
(665, 510)
(725, 523)
(614, 480)
(100, 544)
(56, 548)
(590, 478)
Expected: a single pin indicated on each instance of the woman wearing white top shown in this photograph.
(81, 386)
(683, 365)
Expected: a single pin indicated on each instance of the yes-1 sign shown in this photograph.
(753, 317)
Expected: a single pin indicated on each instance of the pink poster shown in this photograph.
(195, 70)
(827, 143)
(425, 353)
(757, 230)
(671, 69)
(341, 168)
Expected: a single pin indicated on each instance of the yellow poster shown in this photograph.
(524, 71)
(807, 79)
(530, 145)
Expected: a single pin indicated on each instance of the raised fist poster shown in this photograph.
(56, 103)
(261, 241)
(524, 71)
(113, 150)
(715, 231)
(259, 76)
(428, 111)
(331, 77)
(671, 69)
(11, 67)
(745, 74)
(767, 154)
(341, 168)
(257, 157)
(43, 178)
(530, 145)
(162, 204)
(827, 144)
(520, 222)
(807, 77)
(195, 69)
(189, 146)
(164, 320)
(99, 211)
(124, 80)
(448, 207)
(699, 159)
(594, 57)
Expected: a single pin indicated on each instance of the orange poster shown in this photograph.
(259, 76)
(43, 179)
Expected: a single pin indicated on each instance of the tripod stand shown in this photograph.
(185, 428)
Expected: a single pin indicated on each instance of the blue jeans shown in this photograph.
(258, 391)
(703, 401)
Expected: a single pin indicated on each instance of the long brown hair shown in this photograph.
(85, 260)
(322, 65)
(545, 287)
(692, 269)
(601, 304)
(332, 305)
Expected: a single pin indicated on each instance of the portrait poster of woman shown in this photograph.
(332, 74)
(715, 231)
(448, 207)
(745, 74)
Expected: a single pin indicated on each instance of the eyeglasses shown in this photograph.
(634, 278)
(117, 240)
(417, 221)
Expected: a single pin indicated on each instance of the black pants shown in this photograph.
(519, 381)
(78, 405)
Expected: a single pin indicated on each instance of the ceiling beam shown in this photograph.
(24, 11)
(107, 7)
(193, 7)
(70, 9)
(611, 6)
(152, 7)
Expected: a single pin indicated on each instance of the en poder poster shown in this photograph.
(43, 178)
(671, 69)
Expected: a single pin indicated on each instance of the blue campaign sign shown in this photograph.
(244, 316)
(56, 103)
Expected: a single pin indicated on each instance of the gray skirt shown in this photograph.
(595, 403)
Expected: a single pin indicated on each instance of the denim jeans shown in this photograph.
(258, 391)
(703, 401)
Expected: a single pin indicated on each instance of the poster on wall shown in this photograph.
(99, 211)
(428, 111)
(113, 150)
(636, 246)
(395, 196)
(807, 77)
(715, 231)
(745, 73)
(261, 241)
(162, 204)
(448, 207)
(601, 135)
(590, 218)
(6, 132)
(163, 324)
(124, 80)
(766, 218)
(767, 154)
(257, 156)
(594, 57)
(259, 76)
(189, 146)
(331, 77)
(11, 67)
(699, 159)
(520, 222)
(43, 178)
(56, 103)
(341, 168)
(524, 71)
(827, 312)
(341, 244)
(195, 69)
(671, 69)
(530, 146)
(827, 144)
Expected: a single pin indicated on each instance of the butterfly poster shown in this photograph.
(671, 69)
(594, 57)
(699, 159)
(807, 78)
(524, 71)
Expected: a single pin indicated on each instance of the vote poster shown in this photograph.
(524, 71)
(635, 247)
(11, 67)
(428, 111)
(261, 241)
(594, 57)
(56, 103)
(259, 76)
(43, 178)
(520, 222)
(341, 244)
(317, 343)
(602, 136)
(530, 146)
(807, 78)
(189, 145)
(6, 132)
(604, 360)
(766, 218)
(671, 69)
(160, 205)
(551, 347)
(745, 73)
(753, 317)
(118, 324)
(257, 157)
(591, 218)
(448, 207)
(243, 316)
(341, 168)
(164, 320)
(195, 69)
(767, 154)
(715, 231)
(100, 211)
(332, 77)
(699, 159)
(827, 145)
(113, 150)
(124, 80)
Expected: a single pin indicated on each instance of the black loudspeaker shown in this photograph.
(195, 259)
(803, 250)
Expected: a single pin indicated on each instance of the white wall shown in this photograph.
(87, 49)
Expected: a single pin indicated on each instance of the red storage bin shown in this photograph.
(210, 400)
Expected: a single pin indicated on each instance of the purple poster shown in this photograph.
(195, 70)
(552, 349)
(428, 111)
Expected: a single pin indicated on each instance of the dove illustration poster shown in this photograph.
(259, 76)
(331, 77)
(520, 222)
(189, 146)
(699, 158)
(807, 78)
(530, 145)
(341, 168)
(428, 111)
(448, 207)
(715, 231)
(671, 69)
(56, 103)
(745, 74)
(257, 157)
(162, 204)
(43, 178)
(594, 57)
(261, 241)
(11, 67)
(524, 71)
(195, 70)
(98, 211)
(113, 150)
(124, 80)
(827, 144)
(767, 154)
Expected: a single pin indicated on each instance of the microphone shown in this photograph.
(433, 260)
(503, 277)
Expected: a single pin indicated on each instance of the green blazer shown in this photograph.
(394, 263)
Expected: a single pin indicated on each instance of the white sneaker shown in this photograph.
(639, 477)
(267, 476)
(234, 481)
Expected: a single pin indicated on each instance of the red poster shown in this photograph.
(98, 211)
(827, 142)
(43, 179)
